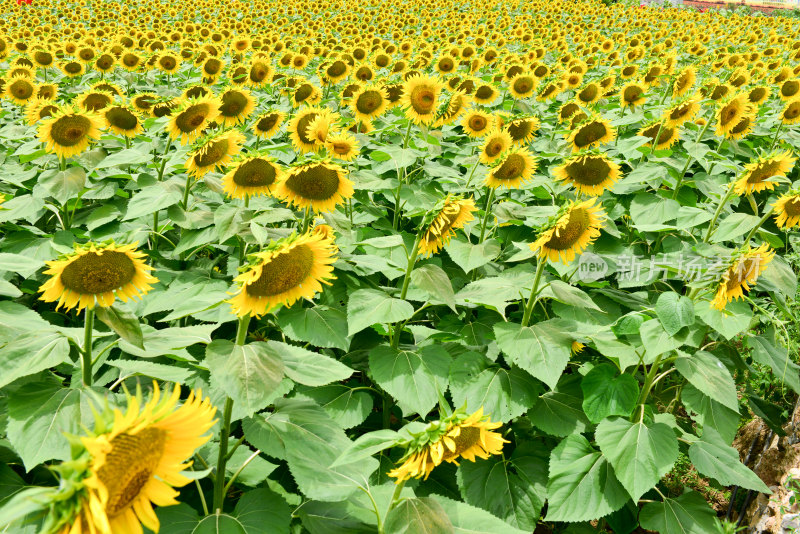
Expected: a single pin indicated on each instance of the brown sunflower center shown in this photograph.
(494, 147)
(590, 133)
(467, 438)
(265, 124)
(302, 126)
(120, 117)
(196, 92)
(566, 236)
(212, 66)
(96, 101)
(21, 89)
(47, 111)
(233, 103)
(315, 182)
(95, 273)
(520, 130)
(303, 92)
(719, 92)
(446, 64)
(757, 94)
(336, 69)
(43, 58)
(792, 111)
(258, 72)
(631, 94)
(765, 170)
(254, 173)
(658, 137)
(512, 168)
(364, 73)
(484, 92)
(792, 207)
(423, 100)
(742, 126)
(212, 154)
(478, 123)
(130, 60)
(192, 117)
(523, 85)
(790, 88)
(70, 130)
(589, 93)
(133, 460)
(680, 111)
(568, 110)
(105, 62)
(588, 171)
(283, 273)
(368, 101)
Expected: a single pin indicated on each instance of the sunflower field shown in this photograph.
(392, 267)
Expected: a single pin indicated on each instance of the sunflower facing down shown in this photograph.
(453, 108)
(454, 214)
(122, 121)
(251, 176)
(661, 135)
(758, 173)
(267, 124)
(575, 227)
(741, 275)
(290, 269)
(194, 115)
(320, 186)
(589, 173)
(594, 131)
(215, 151)
(68, 131)
(787, 210)
(420, 98)
(96, 274)
(458, 436)
(513, 170)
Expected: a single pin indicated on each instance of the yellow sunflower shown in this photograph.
(320, 186)
(267, 124)
(215, 151)
(522, 129)
(594, 131)
(20, 89)
(93, 100)
(522, 85)
(741, 275)
(458, 436)
(477, 123)
(192, 117)
(513, 170)
(298, 128)
(757, 95)
(682, 111)
(787, 210)
(38, 109)
(68, 131)
(260, 73)
(343, 146)
(454, 214)
(251, 176)
(575, 227)
(287, 270)
(684, 81)
(369, 101)
(96, 273)
(122, 120)
(497, 142)
(485, 93)
(235, 107)
(420, 98)
(661, 135)
(590, 173)
(451, 110)
(632, 94)
(758, 173)
(730, 112)
(791, 112)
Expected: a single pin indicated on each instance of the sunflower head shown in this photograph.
(514, 169)
(730, 113)
(757, 174)
(787, 209)
(235, 106)
(494, 145)
(632, 95)
(447, 216)
(38, 109)
(593, 131)
(452, 108)
(298, 128)
(590, 173)
(743, 272)
(682, 111)
(791, 112)
(570, 231)
(251, 176)
(477, 123)
(214, 151)
(319, 185)
(20, 89)
(189, 120)
(122, 120)
(343, 146)
(268, 123)
(94, 100)
(522, 129)
(420, 98)
(69, 131)
(369, 101)
(661, 135)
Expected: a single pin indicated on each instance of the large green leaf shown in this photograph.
(64, 185)
(415, 378)
(367, 307)
(30, 353)
(347, 406)
(333, 518)
(710, 413)
(560, 412)
(687, 514)
(640, 453)
(418, 516)
(582, 485)
(467, 519)
(713, 458)
(542, 349)
(605, 394)
(767, 351)
(674, 311)
(123, 322)
(502, 393)
(433, 281)
(470, 256)
(306, 367)
(705, 372)
(321, 326)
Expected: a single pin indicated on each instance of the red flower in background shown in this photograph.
(29, 2)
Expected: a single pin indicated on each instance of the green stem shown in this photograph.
(487, 210)
(654, 143)
(412, 259)
(722, 203)
(775, 139)
(753, 204)
(763, 219)
(526, 317)
(471, 174)
(648, 381)
(398, 489)
(88, 326)
(185, 202)
(688, 162)
(306, 220)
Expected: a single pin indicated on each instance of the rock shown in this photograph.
(790, 523)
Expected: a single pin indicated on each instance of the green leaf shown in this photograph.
(347, 406)
(153, 198)
(418, 516)
(514, 490)
(688, 514)
(415, 378)
(19, 264)
(713, 458)
(710, 413)
(559, 413)
(39, 413)
(730, 322)
(306, 367)
(540, 349)
(733, 226)
(123, 322)
(640, 453)
(64, 185)
(431, 279)
(469, 256)
(467, 519)
(674, 311)
(10, 483)
(128, 156)
(321, 326)
(705, 372)
(570, 295)
(332, 518)
(605, 394)
(262, 511)
(582, 485)
(503, 393)
(650, 212)
(366, 445)
(657, 341)
(32, 352)
(767, 351)
(367, 307)
(170, 373)
(248, 374)
(220, 524)
(178, 519)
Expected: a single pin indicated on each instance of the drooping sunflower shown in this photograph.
(787, 210)
(122, 120)
(93, 100)
(96, 274)
(420, 98)
(251, 176)
(497, 142)
(193, 116)
(453, 213)
(632, 95)
(594, 131)
(38, 109)
(343, 146)
(477, 123)
(758, 173)
(730, 112)
(791, 112)
(684, 81)
(69, 131)
(522, 129)
(287, 270)
(568, 234)
(235, 107)
(514, 169)
(590, 173)
(320, 186)
(661, 136)
(214, 151)
(20, 89)
(369, 101)
(267, 124)
(455, 437)
(682, 111)
(298, 128)
(742, 273)
(744, 127)
(453, 108)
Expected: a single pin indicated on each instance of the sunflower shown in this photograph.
(632, 95)
(196, 91)
(168, 62)
(343, 146)
(573, 229)
(47, 91)
(731, 112)
(72, 69)
(661, 135)
(497, 142)
(335, 71)
(682, 111)
(214, 151)
(567, 110)
(757, 95)
(485, 93)
(20, 89)
(287, 270)
(477, 123)
(259, 74)
(369, 101)
(144, 102)
(744, 127)
(212, 68)
(69, 131)
(319, 186)
(251, 176)
(458, 436)
(789, 89)
(96, 273)
(306, 93)
(453, 213)
(743, 272)
(420, 98)
(684, 81)
(320, 128)
(757, 173)
(130, 61)
(267, 124)
(108, 87)
(93, 100)
(298, 128)
(513, 170)
(192, 117)
(137, 458)
(522, 85)
(791, 112)
(589, 173)
(453, 108)
(38, 109)
(522, 129)
(787, 210)
(105, 62)
(236, 106)
(593, 131)
(122, 120)
(550, 91)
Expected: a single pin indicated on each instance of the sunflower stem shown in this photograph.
(526, 317)
(185, 201)
(219, 481)
(398, 489)
(471, 174)
(654, 144)
(688, 162)
(306, 220)
(777, 133)
(487, 210)
(713, 222)
(88, 326)
(753, 204)
(761, 221)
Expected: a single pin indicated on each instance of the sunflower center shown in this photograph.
(757, 94)
(369, 101)
(258, 73)
(233, 102)
(519, 130)
(511, 168)
(315, 183)
(423, 100)
(467, 438)
(494, 147)
(792, 111)
(302, 126)
(590, 133)
(337, 68)
(95, 273)
(589, 171)
(121, 118)
(680, 112)
(478, 123)
(192, 117)
(130, 465)
(254, 173)
(484, 92)
(196, 92)
(631, 94)
(213, 153)
(70, 130)
(266, 123)
(283, 273)
(790, 88)
(588, 94)
(96, 101)
(741, 126)
(212, 66)
(130, 60)
(566, 236)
